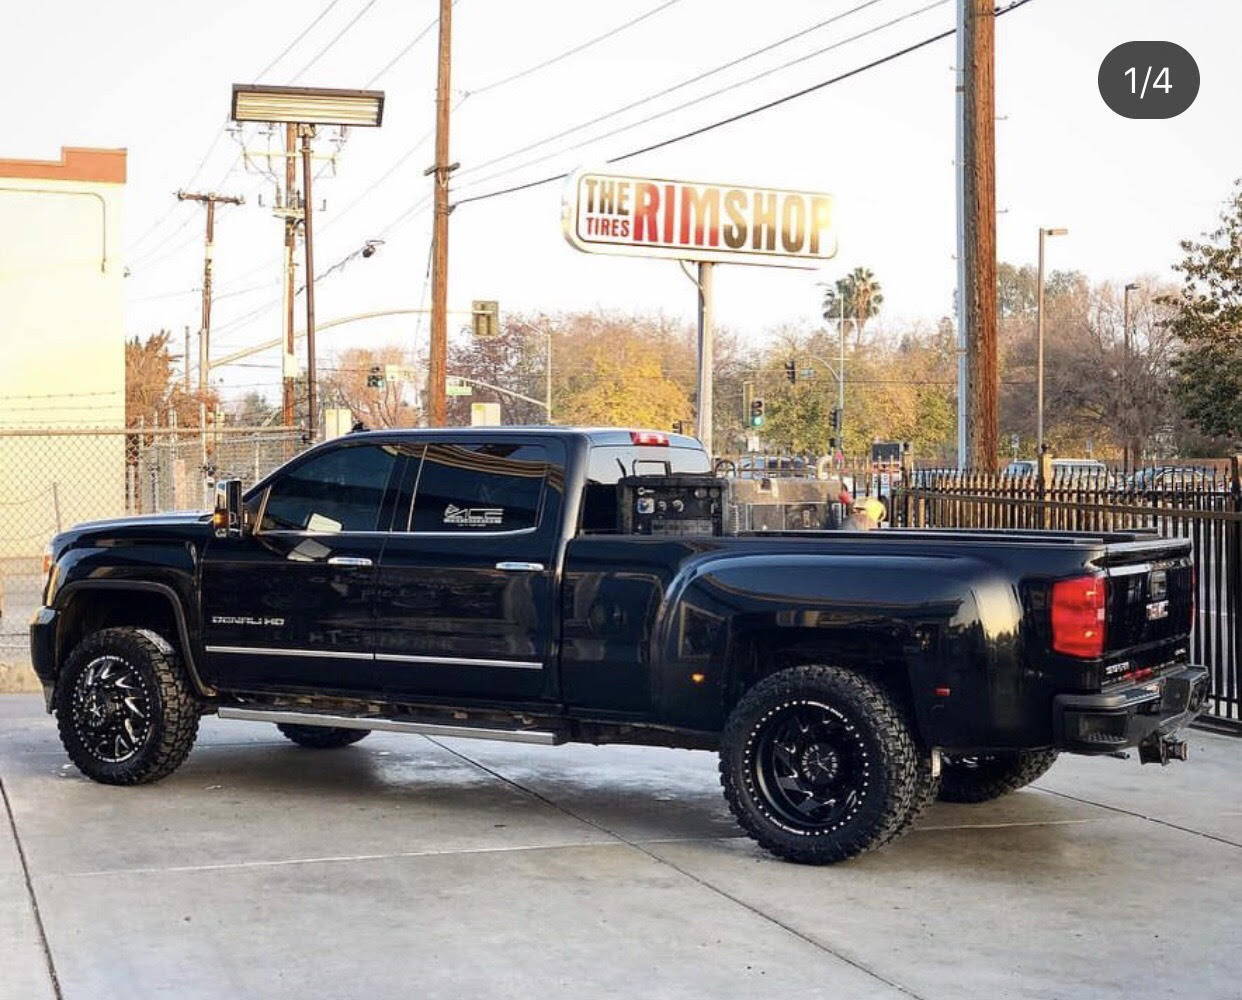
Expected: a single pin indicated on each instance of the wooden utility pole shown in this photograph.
(978, 168)
(210, 199)
(291, 239)
(308, 239)
(438, 357)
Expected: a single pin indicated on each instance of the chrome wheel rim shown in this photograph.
(111, 709)
(808, 767)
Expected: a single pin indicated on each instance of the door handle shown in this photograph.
(520, 567)
(349, 561)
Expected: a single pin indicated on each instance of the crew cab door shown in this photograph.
(466, 587)
(292, 604)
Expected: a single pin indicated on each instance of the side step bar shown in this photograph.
(537, 736)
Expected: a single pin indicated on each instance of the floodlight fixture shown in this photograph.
(307, 105)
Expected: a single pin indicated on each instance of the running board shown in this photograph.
(537, 736)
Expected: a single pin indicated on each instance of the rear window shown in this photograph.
(609, 463)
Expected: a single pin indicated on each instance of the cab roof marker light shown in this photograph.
(649, 437)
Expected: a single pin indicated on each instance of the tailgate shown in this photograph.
(1150, 595)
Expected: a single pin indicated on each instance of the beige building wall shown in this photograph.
(62, 343)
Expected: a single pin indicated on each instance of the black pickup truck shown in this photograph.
(495, 583)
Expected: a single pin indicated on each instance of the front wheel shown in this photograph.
(819, 764)
(124, 707)
(983, 777)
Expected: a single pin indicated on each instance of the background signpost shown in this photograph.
(704, 224)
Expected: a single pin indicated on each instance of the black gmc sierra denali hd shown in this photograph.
(549, 585)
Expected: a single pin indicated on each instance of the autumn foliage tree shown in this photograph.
(153, 391)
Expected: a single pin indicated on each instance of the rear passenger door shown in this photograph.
(466, 587)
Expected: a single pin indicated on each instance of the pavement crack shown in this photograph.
(1138, 815)
(638, 846)
(30, 893)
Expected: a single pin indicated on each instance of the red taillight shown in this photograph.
(1078, 622)
(649, 437)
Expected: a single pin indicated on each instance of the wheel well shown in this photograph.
(91, 610)
(874, 654)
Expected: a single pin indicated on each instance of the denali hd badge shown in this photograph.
(246, 620)
(474, 517)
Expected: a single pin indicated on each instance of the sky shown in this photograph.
(154, 76)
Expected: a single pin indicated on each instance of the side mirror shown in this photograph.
(227, 520)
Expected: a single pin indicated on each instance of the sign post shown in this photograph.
(705, 224)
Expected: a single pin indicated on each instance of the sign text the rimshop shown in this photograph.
(650, 217)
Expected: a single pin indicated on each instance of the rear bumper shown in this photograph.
(43, 650)
(1143, 713)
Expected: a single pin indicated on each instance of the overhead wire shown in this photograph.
(750, 112)
(335, 38)
(581, 47)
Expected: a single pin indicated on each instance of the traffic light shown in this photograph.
(375, 378)
(485, 318)
(756, 413)
(678, 427)
(791, 370)
(832, 444)
(836, 418)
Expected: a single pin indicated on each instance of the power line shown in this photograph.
(583, 46)
(293, 44)
(336, 38)
(718, 92)
(405, 51)
(759, 109)
(672, 89)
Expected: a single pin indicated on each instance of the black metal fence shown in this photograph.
(1203, 505)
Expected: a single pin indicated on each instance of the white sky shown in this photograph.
(154, 76)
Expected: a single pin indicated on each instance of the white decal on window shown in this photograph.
(474, 516)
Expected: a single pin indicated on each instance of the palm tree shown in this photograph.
(858, 296)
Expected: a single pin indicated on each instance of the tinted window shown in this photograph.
(610, 463)
(483, 487)
(340, 490)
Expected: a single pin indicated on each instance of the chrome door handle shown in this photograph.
(349, 561)
(520, 567)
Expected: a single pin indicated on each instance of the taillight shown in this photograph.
(1078, 620)
(648, 437)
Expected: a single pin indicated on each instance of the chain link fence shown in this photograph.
(53, 479)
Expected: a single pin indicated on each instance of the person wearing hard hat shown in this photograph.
(867, 514)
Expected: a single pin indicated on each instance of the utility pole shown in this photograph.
(210, 199)
(977, 207)
(291, 238)
(185, 363)
(308, 238)
(703, 414)
(437, 359)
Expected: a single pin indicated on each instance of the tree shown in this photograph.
(392, 404)
(1206, 318)
(152, 389)
(515, 359)
(858, 295)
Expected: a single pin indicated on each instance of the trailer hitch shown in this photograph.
(1159, 749)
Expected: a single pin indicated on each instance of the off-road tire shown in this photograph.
(983, 777)
(321, 737)
(167, 727)
(882, 764)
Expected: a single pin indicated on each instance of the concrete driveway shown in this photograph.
(411, 867)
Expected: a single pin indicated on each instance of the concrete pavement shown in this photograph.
(408, 866)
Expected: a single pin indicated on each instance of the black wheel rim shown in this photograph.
(808, 767)
(112, 709)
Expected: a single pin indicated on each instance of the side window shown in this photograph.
(480, 487)
(340, 490)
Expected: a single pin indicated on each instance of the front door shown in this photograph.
(291, 605)
(466, 587)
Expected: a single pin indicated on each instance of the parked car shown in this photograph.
(480, 582)
(1171, 477)
(1074, 470)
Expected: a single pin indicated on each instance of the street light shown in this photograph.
(307, 107)
(1039, 325)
